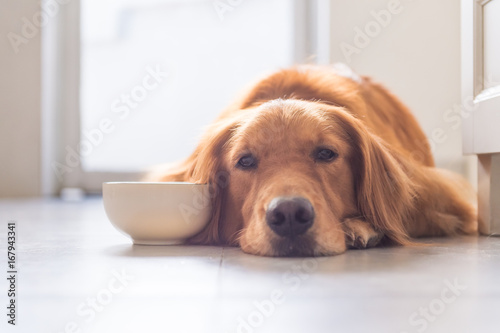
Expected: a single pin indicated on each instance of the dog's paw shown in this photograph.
(360, 234)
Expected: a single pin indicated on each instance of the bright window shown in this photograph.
(133, 115)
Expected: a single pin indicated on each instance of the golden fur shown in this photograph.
(383, 185)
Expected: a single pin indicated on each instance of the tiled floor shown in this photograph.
(78, 274)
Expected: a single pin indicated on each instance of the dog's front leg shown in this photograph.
(360, 234)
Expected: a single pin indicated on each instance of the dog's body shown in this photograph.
(310, 162)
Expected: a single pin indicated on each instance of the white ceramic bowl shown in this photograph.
(157, 213)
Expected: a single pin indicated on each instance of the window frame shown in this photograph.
(62, 41)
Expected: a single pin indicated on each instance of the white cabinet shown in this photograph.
(481, 107)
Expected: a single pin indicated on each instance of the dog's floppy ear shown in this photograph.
(384, 192)
(205, 165)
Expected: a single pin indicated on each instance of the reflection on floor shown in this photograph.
(78, 274)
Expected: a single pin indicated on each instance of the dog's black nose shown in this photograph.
(290, 216)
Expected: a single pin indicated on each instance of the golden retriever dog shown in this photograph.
(311, 162)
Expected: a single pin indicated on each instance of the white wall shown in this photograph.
(417, 55)
(19, 103)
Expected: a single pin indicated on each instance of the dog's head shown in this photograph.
(288, 172)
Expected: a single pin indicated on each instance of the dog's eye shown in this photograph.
(247, 162)
(325, 155)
